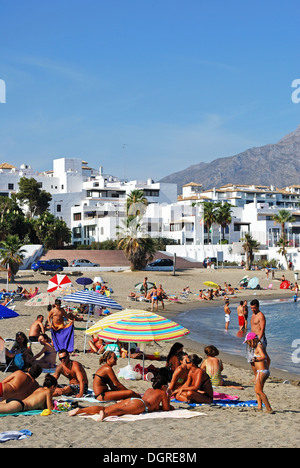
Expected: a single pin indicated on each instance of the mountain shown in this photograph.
(274, 164)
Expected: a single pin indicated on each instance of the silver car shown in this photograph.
(81, 262)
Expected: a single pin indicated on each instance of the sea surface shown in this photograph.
(207, 325)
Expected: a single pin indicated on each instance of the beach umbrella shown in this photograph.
(143, 327)
(61, 292)
(211, 284)
(140, 286)
(84, 281)
(253, 283)
(113, 318)
(98, 279)
(58, 281)
(244, 280)
(93, 298)
(6, 313)
(285, 285)
(42, 299)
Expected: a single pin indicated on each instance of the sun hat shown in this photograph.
(250, 336)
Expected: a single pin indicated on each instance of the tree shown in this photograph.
(52, 232)
(223, 216)
(209, 216)
(283, 244)
(12, 220)
(138, 248)
(283, 217)
(11, 254)
(250, 245)
(136, 203)
(31, 194)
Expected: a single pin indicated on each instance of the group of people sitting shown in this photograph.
(228, 290)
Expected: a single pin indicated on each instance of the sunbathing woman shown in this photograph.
(197, 388)
(154, 399)
(180, 374)
(106, 385)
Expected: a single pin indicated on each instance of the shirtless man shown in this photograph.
(245, 312)
(36, 329)
(40, 399)
(258, 326)
(20, 384)
(57, 316)
(227, 314)
(74, 372)
(241, 318)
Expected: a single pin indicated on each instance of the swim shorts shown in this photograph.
(241, 320)
(1, 392)
(227, 318)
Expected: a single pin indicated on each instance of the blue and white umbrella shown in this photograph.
(93, 298)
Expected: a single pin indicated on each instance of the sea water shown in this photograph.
(207, 326)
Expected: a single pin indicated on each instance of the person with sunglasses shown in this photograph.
(198, 387)
(74, 372)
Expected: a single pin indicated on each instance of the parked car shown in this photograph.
(59, 261)
(46, 265)
(163, 264)
(81, 262)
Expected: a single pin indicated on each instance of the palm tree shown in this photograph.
(11, 255)
(136, 203)
(283, 217)
(250, 245)
(283, 244)
(223, 216)
(209, 215)
(138, 248)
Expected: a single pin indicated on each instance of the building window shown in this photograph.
(58, 208)
(10, 186)
(77, 216)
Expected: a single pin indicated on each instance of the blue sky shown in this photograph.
(145, 88)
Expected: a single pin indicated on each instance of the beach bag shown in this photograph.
(128, 373)
(19, 361)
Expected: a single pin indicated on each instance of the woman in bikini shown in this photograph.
(213, 366)
(172, 359)
(197, 388)
(154, 399)
(260, 363)
(106, 386)
(49, 352)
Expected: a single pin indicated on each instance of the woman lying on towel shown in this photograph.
(198, 387)
(154, 399)
(106, 386)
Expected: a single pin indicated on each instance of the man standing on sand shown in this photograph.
(74, 372)
(57, 316)
(227, 314)
(20, 384)
(241, 318)
(258, 326)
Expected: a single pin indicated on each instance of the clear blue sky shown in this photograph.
(145, 88)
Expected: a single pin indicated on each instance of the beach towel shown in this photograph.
(14, 435)
(63, 338)
(227, 403)
(177, 414)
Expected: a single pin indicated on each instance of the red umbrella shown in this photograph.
(57, 282)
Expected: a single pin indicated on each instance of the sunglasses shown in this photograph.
(188, 362)
(63, 358)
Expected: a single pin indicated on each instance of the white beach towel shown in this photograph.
(177, 414)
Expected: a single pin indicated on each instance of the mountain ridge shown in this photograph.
(275, 164)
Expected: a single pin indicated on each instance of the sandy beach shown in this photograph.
(220, 426)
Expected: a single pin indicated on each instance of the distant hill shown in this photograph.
(274, 164)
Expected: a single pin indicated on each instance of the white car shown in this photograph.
(81, 262)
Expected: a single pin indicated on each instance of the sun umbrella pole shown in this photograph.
(87, 326)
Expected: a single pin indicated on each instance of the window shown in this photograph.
(58, 208)
(77, 216)
(10, 186)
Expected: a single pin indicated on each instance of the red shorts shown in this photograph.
(1, 391)
(241, 321)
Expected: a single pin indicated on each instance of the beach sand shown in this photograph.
(220, 427)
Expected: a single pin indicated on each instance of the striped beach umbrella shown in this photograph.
(93, 298)
(142, 327)
(113, 318)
